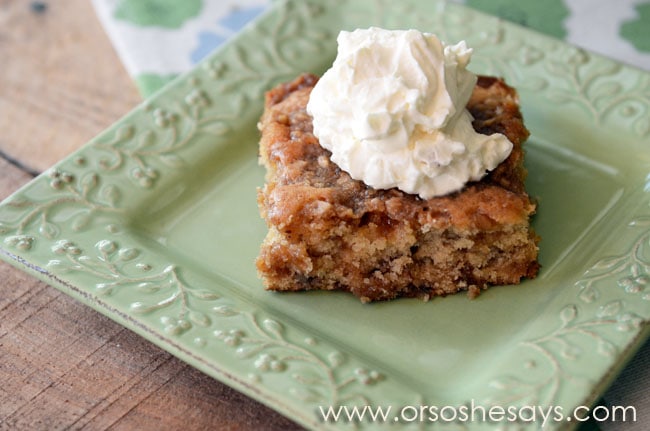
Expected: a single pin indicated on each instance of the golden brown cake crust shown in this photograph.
(328, 231)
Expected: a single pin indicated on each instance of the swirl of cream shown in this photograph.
(391, 110)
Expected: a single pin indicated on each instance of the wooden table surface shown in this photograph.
(63, 365)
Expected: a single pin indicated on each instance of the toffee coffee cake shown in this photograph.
(397, 173)
(329, 231)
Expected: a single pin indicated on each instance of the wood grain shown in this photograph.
(60, 80)
(63, 365)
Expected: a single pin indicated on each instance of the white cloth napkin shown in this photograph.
(159, 39)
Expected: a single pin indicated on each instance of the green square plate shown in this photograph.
(154, 223)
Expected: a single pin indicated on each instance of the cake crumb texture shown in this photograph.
(328, 231)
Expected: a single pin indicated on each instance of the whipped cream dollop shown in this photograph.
(392, 111)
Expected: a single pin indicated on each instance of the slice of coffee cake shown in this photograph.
(329, 231)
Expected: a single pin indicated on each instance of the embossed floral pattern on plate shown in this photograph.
(154, 223)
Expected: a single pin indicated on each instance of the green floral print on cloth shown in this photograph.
(637, 30)
(163, 13)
